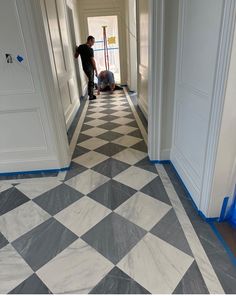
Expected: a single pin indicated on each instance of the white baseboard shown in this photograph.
(42, 164)
(72, 114)
(143, 108)
(165, 154)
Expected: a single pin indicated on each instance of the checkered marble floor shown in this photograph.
(108, 228)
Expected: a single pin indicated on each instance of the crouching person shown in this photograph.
(106, 81)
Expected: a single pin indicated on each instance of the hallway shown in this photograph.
(116, 223)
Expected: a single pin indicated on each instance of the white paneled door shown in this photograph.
(63, 56)
(198, 40)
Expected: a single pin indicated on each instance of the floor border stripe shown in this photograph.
(210, 278)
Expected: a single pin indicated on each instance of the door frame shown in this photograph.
(156, 72)
(155, 93)
(122, 45)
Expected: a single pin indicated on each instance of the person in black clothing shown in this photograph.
(88, 62)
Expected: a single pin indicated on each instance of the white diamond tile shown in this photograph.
(87, 181)
(135, 177)
(76, 270)
(143, 210)
(90, 159)
(156, 265)
(130, 156)
(93, 143)
(82, 215)
(95, 131)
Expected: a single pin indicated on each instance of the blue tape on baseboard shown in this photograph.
(210, 221)
(223, 209)
(35, 172)
(213, 219)
(200, 213)
(160, 161)
(226, 247)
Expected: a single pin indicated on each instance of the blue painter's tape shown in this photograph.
(231, 215)
(223, 209)
(20, 58)
(210, 221)
(213, 219)
(229, 252)
(160, 161)
(35, 172)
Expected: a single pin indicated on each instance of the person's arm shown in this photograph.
(76, 54)
(94, 66)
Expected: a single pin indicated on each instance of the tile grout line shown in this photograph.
(210, 278)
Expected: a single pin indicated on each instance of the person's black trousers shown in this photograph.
(90, 75)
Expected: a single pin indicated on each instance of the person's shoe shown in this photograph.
(92, 98)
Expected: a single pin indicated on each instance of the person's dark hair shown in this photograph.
(90, 38)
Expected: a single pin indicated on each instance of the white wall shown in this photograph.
(89, 8)
(80, 73)
(225, 168)
(143, 48)
(131, 37)
(32, 127)
(170, 48)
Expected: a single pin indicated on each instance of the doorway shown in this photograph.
(95, 28)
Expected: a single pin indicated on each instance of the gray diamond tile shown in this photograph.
(75, 169)
(114, 237)
(87, 119)
(170, 230)
(109, 136)
(10, 199)
(112, 194)
(32, 285)
(110, 167)
(146, 165)
(3, 241)
(108, 117)
(108, 105)
(43, 243)
(109, 111)
(79, 151)
(109, 125)
(128, 109)
(118, 282)
(141, 146)
(192, 282)
(82, 138)
(58, 198)
(129, 116)
(85, 127)
(110, 149)
(136, 133)
(156, 189)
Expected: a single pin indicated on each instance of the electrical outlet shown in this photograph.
(9, 58)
